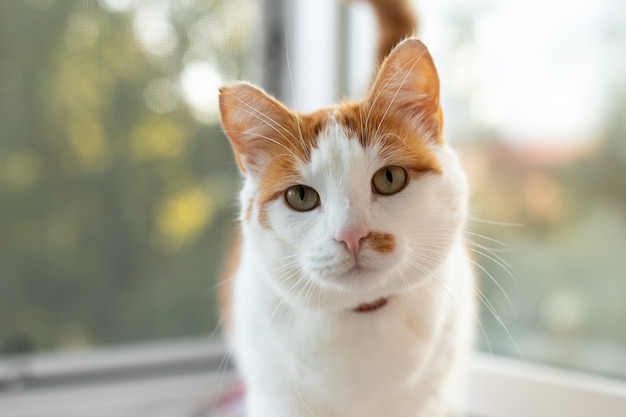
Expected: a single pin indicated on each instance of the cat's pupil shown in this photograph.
(301, 192)
(389, 175)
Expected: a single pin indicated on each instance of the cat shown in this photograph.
(351, 292)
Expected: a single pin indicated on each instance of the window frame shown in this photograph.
(117, 380)
(187, 374)
(505, 387)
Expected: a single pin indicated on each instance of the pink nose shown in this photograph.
(352, 238)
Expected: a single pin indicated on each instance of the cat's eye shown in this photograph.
(302, 198)
(389, 180)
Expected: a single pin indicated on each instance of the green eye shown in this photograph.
(302, 198)
(389, 180)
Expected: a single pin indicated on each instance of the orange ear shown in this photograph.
(255, 123)
(407, 85)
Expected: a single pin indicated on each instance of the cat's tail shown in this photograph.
(396, 21)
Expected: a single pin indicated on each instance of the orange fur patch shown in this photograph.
(225, 288)
(400, 144)
(248, 210)
(381, 242)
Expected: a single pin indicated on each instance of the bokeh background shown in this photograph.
(117, 187)
(116, 183)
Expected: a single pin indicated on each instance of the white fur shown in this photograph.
(301, 348)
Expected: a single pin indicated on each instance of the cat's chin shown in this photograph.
(361, 290)
(356, 279)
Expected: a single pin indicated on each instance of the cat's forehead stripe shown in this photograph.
(398, 142)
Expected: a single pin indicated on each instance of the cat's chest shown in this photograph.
(367, 356)
(362, 353)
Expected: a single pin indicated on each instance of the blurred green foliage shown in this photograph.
(116, 203)
(559, 255)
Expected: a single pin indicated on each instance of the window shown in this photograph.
(117, 188)
(116, 183)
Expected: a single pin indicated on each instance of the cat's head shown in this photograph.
(351, 203)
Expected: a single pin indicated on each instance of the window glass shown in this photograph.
(116, 183)
(535, 99)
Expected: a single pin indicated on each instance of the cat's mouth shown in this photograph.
(373, 306)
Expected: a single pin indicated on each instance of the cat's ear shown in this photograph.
(255, 124)
(407, 85)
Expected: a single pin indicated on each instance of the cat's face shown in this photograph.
(352, 203)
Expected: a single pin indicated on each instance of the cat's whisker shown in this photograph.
(488, 304)
(495, 281)
(475, 313)
(485, 301)
(474, 247)
(432, 241)
(320, 292)
(284, 276)
(287, 274)
(221, 371)
(225, 309)
(495, 223)
(478, 235)
(484, 333)
(434, 262)
(446, 288)
(449, 289)
(405, 280)
(431, 247)
(291, 371)
(496, 261)
(216, 286)
(276, 264)
(282, 302)
(494, 253)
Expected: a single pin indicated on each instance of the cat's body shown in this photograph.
(352, 293)
(405, 359)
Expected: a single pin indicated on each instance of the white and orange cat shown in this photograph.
(352, 292)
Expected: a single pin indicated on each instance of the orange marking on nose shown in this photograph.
(381, 242)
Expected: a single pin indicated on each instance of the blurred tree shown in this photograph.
(115, 185)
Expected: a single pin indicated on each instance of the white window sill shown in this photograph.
(171, 379)
(501, 387)
(181, 379)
